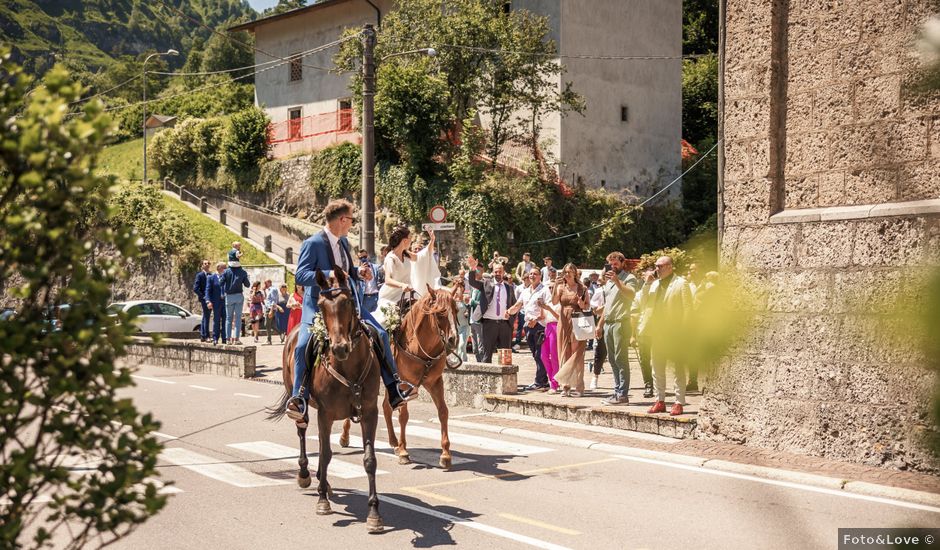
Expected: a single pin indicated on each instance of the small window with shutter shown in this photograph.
(296, 68)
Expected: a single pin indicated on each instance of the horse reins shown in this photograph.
(429, 361)
(354, 387)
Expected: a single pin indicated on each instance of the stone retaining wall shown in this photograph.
(193, 356)
(466, 386)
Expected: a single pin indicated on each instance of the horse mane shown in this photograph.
(424, 307)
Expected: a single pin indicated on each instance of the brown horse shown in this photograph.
(345, 385)
(427, 335)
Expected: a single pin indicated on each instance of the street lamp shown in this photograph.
(144, 73)
(367, 233)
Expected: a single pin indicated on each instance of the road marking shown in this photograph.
(248, 395)
(428, 457)
(201, 387)
(538, 471)
(540, 524)
(586, 427)
(163, 435)
(139, 377)
(485, 443)
(469, 523)
(787, 484)
(267, 449)
(221, 471)
(428, 494)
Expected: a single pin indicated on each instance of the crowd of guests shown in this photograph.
(561, 316)
(225, 306)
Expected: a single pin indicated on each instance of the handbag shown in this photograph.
(582, 325)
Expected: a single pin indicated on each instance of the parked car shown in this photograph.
(155, 316)
(7, 313)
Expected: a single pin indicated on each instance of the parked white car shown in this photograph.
(154, 316)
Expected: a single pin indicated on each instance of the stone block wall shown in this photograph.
(831, 217)
(466, 386)
(193, 356)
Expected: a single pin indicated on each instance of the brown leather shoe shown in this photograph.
(676, 409)
(658, 407)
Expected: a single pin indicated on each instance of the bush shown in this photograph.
(245, 141)
(59, 388)
(336, 171)
(172, 151)
(407, 194)
(269, 177)
(141, 207)
(681, 260)
(207, 146)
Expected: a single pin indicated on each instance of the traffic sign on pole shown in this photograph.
(437, 214)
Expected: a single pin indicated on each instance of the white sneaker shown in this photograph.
(594, 382)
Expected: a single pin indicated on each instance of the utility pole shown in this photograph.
(144, 76)
(367, 231)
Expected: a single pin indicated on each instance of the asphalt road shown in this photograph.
(233, 486)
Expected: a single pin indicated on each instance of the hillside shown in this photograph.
(89, 35)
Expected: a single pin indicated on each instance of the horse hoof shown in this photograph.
(404, 460)
(344, 441)
(375, 525)
(323, 508)
(303, 481)
(446, 462)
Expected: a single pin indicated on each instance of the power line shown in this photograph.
(111, 89)
(642, 204)
(232, 38)
(573, 56)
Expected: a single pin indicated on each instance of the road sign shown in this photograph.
(437, 214)
(439, 226)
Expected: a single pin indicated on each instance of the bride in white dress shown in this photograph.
(406, 271)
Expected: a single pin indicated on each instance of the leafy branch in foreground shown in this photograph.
(58, 373)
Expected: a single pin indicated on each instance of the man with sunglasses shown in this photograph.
(370, 282)
(326, 251)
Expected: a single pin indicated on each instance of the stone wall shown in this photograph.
(193, 356)
(466, 386)
(831, 215)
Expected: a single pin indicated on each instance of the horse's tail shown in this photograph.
(277, 410)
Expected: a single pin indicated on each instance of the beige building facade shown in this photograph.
(831, 215)
(628, 139)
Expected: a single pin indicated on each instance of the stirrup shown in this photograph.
(412, 390)
(296, 415)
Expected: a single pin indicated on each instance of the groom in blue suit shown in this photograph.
(326, 251)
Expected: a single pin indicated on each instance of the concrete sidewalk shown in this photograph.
(588, 408)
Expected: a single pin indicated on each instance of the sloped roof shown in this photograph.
(250, 26)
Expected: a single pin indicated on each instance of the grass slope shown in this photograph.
(125, 161)
(218, 240)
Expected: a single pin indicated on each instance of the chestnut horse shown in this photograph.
(427, 335)
(345, 385)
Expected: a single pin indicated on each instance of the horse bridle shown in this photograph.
(355, 388)
(428, 361)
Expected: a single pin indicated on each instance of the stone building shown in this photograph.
(831, 212)
(628, 139)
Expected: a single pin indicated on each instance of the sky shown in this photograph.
(259, 5)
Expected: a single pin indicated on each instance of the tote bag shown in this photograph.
(582, 324)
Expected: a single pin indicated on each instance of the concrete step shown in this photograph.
(678, 427)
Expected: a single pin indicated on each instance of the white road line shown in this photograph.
(139, 377)
(787, 484)
(469, 523)
(267, 449)
(247, 395)
(485, 443)
(163, 435)
(587, 427)
(428, 457)
(212, 468)
(201, 387)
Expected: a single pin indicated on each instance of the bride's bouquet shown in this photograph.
(392, 316)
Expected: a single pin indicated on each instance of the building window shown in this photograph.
(344, 123)
(623, 113)
(296, 68)
(294, 124)
(507, 6)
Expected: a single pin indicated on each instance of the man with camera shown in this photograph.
(614, 323)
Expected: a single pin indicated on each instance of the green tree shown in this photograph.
(699, 26)
(226, 52)
(59, 382)
(700, 98)
(284, 5)
(245, 142)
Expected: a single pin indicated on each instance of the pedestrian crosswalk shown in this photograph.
(267, 449)
(248, 464)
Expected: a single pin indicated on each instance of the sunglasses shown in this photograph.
(350, 218)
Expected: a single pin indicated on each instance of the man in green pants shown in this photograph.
(614, 324)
